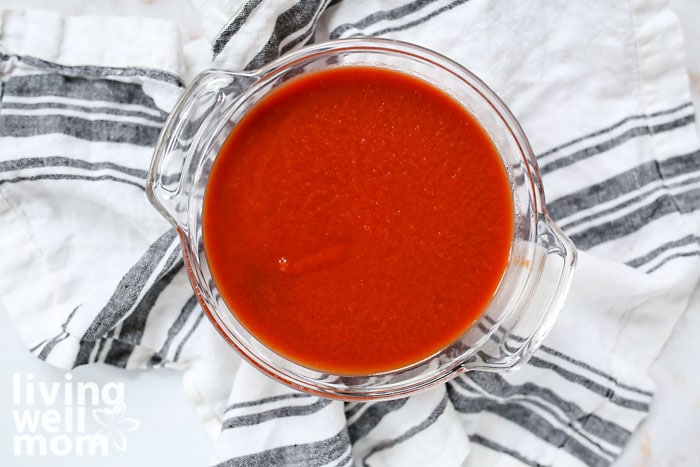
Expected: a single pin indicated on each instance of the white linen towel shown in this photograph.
(89, 272)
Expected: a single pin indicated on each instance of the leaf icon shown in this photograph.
(119, 440)
(114, 423)
(118, 409)
(129, 424)
(104, 417)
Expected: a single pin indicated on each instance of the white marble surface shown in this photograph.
(169, 433)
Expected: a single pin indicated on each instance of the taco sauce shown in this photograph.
(357, 220)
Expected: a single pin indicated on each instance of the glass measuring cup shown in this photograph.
(541, 261)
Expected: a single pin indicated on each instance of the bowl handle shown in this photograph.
(515, 340)
(182, 145)
(555, 281)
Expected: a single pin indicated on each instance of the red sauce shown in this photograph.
(357, 220)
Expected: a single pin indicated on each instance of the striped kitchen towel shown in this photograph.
(89, 272)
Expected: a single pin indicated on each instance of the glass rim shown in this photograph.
(192, 252)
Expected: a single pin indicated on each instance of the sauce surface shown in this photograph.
(357, 220)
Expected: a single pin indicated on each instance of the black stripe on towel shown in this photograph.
(612, 127)
(636, 200)
(687, 254)
(288, 22)
(475, 438)
(124, 298)
(308, 455)
(594, 370)
(346, 461)
(46, 350)
(421, 20)
(186, 339)
(85, 349)
(96, 109)
(90, 130)
(599, 148)
(308, 34)
(383, 15)
(656, 252)
(608, 393)
(497, 387)
(174, 330)
(392, 15)
(97, 71)
(279, 412)
(390, 443)
(129, 289)
(60, 161)
(528, 420)
(224, 37)
(623, 183)
(118, 353)
(96, 178)
(74, 87)
(371, 417)
(579, 378)
(267, 400)
(629, 223)
(134, 325)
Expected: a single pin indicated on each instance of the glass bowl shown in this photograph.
(541, 262)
